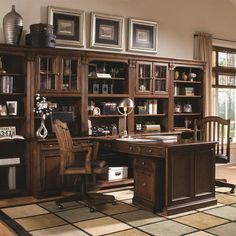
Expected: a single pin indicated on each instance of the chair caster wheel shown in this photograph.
(92, 209)
(114, 202)
(60, 206)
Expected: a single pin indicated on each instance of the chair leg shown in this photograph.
(221, 183)
(89, 198)
(75, 197)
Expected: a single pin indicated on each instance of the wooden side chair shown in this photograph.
(80, 161)
(214, 128)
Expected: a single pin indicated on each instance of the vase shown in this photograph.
(12, 27)
(42, 130)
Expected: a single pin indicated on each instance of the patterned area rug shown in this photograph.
(123, 219)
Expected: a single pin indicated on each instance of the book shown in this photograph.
(11, 137)
(9, 161)
(164, 138)
(103, 75)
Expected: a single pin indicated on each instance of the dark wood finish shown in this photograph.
(79, 160)
(214, 128)
(14, 62)
(41, 165)
(172, 177)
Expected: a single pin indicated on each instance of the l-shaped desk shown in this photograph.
(171, 177)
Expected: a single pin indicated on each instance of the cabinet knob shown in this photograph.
(150, 150)
(143, 163)
(144, 184)
(130, 148)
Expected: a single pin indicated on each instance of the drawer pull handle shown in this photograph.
(144, 184)
(143, 163)
(50, 145)
(150, 150)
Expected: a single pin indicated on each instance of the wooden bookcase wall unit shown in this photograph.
(151, 96)
(58, 78)
(14, 85)
(188, 94)
(108, 84)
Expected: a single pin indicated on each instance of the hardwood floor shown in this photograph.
(222, 171)
(5, 230)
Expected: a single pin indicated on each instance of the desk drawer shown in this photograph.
(144, 164)
(49, 146)
(127, 148)
(132, 148)
(153, 151)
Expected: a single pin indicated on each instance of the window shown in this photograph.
(224, 85)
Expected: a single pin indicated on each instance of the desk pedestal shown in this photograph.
(172, 178)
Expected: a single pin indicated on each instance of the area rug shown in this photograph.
(123, 219)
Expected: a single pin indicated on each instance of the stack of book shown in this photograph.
(6, 84)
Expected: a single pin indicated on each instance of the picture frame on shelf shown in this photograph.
(11, 108)
(107, 32)
(69, 26)
(143, 36)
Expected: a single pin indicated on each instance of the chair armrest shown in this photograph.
(88, 157)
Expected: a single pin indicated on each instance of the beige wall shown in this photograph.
(178, 19)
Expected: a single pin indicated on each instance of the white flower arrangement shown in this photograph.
(42, 107)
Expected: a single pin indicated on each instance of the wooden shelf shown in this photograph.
(185, 96)
(5, 193)
(112, 78)
(105, 116)
(12, 94)
(108, 95)
(12, 117)
(187, 82)
(187, 114)
(107, 184)
(140, 115)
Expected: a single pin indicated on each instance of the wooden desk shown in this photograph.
(171, 177)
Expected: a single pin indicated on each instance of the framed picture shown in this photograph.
(11, 108)
(106, 32)
(68, 26)
(143, 36)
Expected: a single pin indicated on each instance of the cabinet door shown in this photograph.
(144, 78)
(69, 74)
(57, 74)
(160, 78)
(47, 73)
(50, 171)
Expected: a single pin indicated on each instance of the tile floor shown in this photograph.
(45, 219)
(124, 219)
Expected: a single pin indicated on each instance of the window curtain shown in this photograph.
(203, 51)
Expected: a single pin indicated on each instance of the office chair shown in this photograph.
(213, 128)
(80, 161)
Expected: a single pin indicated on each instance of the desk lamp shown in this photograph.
(125, 107)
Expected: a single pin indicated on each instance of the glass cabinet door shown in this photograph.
(69, 74)
(144, 78)
(48, 74)
(160, 75)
